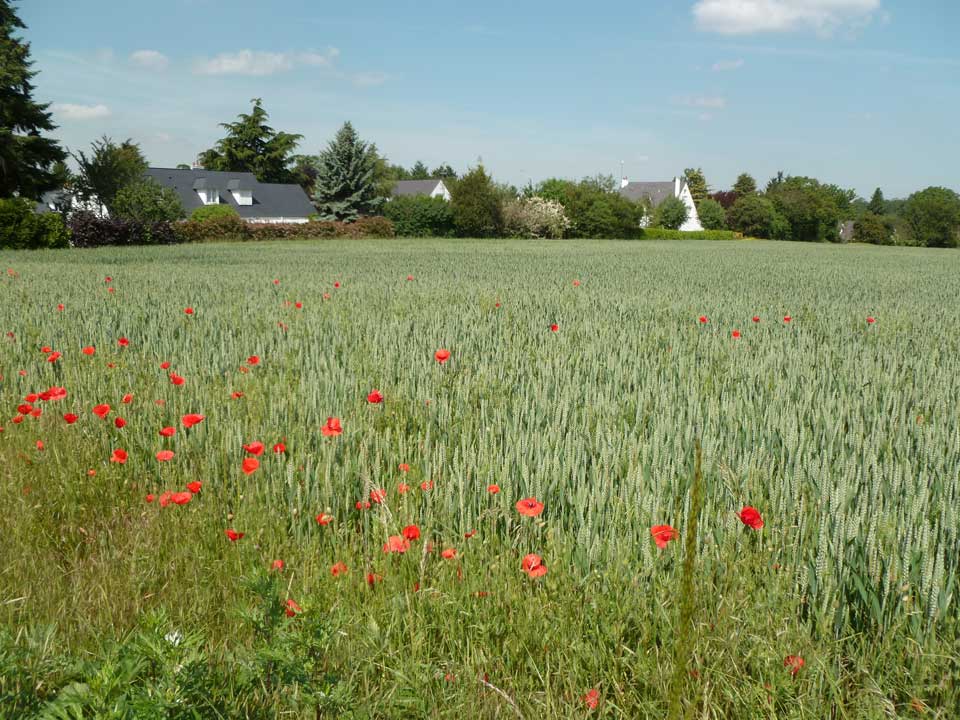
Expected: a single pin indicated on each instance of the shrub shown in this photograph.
(752, 215)
(21, 228)
(535, 217)
(219, 226)
(665, 234)
(873, 229)
(594, 210)
(671, 214)
(933, 217)
(147, 201)
(476, 207)
(368, 227)
(233, 228)
(213, 212)
(712, 215)
(420, 216)
(88, 231)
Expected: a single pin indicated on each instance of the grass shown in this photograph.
(843, 434)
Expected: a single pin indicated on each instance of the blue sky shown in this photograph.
(857, 92)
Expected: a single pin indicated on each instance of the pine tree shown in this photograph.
(745, 185)
(419, 171)
(877, 204)
(27, 160)
(346, 184)
(697, 184)
(253, 146)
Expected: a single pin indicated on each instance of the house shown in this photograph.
(846, 231)
(432, 188)
(656, 192)
(254, 201)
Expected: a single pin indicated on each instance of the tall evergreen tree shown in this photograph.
(745, 185)
(697, 184)
(419, 171)
(27, 159)
(877, 204)
(346, 184)
(444, 172)
(253, 146)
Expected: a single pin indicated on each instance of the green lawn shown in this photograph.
(842, 434)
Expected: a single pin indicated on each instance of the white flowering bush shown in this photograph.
(535, 217)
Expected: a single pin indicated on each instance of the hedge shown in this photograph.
(664, 234)
(21, 228)
(88, 231)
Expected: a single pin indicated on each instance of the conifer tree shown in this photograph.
(345, 187)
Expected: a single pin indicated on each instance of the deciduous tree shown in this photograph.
(109, 168)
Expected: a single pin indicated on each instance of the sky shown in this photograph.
(861, 93)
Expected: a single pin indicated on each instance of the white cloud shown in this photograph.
(369, 79)
(69, 111)
(259, 64)
(725, 65)
(150, 59)
(700, 101)
(742, 17)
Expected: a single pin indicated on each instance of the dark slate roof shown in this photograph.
(415, 187)
(269, 199)
(656, 192)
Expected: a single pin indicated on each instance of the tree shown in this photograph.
(444, 172)
(726, 198)
(182, 166)
(670, 214)
(745, 185)
(304, 170)
(594, 211)
(253, 146)
(419, 171)
(812, 209)
(933, 217)
(345, 186)
(476, 205)
(712, 215)
(874, 229)
(108, 169)
(752, 215)
(27, 158)
(146, 200)
(774, 182)
(697, 184)
(420, 216)
(877, 205)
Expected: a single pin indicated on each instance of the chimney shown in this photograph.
(624, 182)
(676, 186)
(197, 165)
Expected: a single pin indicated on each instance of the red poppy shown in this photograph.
(277, 281)
(279, 448)
(168, 431)
(298, 305)
(233, 534)
(36, 412)
(123, 342)
(591, 698)
(46, 349)
(55, 393)
(378, 495)
(332, 428)
(554, 327)
(496, 304)
(254, 448)
(108, 279)
(538, 571)
(794, 662)
(176, 379)
(662, 534)
(703, 319)
(750, 517)
(194, 486)
(119, 422)
(39, 444)
(493, 489)
(449, 554)
(253, 360)
(182, 498)
(756, 318)
(411, 532)
(277, 565)
(529, 507)
(249, 465)
(375, 397)
(576, 283)
(324, 519)
(396, 544)
(426, 485)
(339, 568)
(403, 488)
(871, 320)
(441, 355)
(409, 278)
(118, 456)
(326, 296)
(165, 365)
(150, 497)
(403, 467)
(70, 418)
(787, 318)
(24, 408)
(373, 579)
(735, 334)
(60, 307)
(530, 561)
(53, 357)
(101, 411)
(127, 399)
(17, 419)
(165, 498)
(363, 505)
(191, 419)
(188, 311)
(292, 608)
(336, 284)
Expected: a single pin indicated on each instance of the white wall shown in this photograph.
(277, 220)
(693, 219)
(441, 191)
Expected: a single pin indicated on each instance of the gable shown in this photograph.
(655, 192)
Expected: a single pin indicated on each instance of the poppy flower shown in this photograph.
(337, 284)
(101, 411)
(236, 395)
(123, 342)
(165, 455)
(36, 412)
(165, 365)
(378, 495)
(396, 544)
(292, 608)
(338, 569)
(530, 561)
(191, 419)
(279, 448)
(24, 408)
(403, 488)
(375, 397)
(787, 318)
(188, 311)
(426, 485)
(662, 534)
(194, 486)
(794, 662)
(496, 304)
(591, 698)
(756, 318)
(276, 281)
(529, 507)
(871, 320)
(39, 444)
(735, 334)
(176, 379)
(493, 489)
(111, 290)
(53, 357)
(332, 428)
(324, 519)
(554, 327)
(253, 360)
(373, 579)
(326, 296)
(277, 565)
(254, 448)
(165, 498)
(298, 305)
(127, 399)
(46, 349)
(411, 532)
(60, 307)
(441, 355)
(70, 418)
(249, 465)
(233, 534)
(409, 278)
(750, 517)
(449, 554)
(118, 456)
(150, 497)
(703, 319)
(403, 467)
(168, 431)
(576, 283)
(182, 498)
(119, 422)
(363, 505)
(538, 571)
(108, 279)
(17, 419)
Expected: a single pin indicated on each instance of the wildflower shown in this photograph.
(378, 495)
(375, 397)
(123, 342)
(182, 498)
(119, 422)
(150, 497)
(787, 318)
(493, 489)
(703, 320)
(191, 419)
(165, 455)
(176, 379)
(194, 486)
(396, 544)
(338, 569)
(53, 357)
(324, 519)
(70, 418)
(332, 427)
(254, 448)
(39, 444)
(750, 517)
(277, 565)
(576, 283)
(403, 467)
(411, 532)
(165, 366)
(292, 608)
(101, 411)
(871, 320)
(373, 579)
(735, 334)
(279, 448)
(554, 328)
(794, 662)
(449, 554)
(662, 534)
(591, 698)
(441, 355)
(60, 307)
(236, 395)
(403, 488)
(409, 278)
(188, 311)
(167, 431)
(233, 534)
(756, 318)
(530, 507)
(253, 360)
(118, 456)
(363, 505)
(426, 485)
(249, 465)
(88, 350)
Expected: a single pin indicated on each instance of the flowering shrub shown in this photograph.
(535, 217)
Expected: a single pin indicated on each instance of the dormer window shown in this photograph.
(241, 195)
(208, 195)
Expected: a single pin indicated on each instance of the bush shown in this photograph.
(213, 212)
(534, 217)
(23, 229)
(712, 215)
(873, 229)
(217, 226)
(476, 207)
(147, 201)
(88, 231)
(933, 217)
(594, 210)
(753, 215)
(664, 234)
(420, 216)
(231, 229)
(671, 214)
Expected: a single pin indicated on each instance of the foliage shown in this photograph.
(697, 183)
(752, 215)
(420, 216)
(251, 145)
(87, 230)
(205, 213)
(28, 160)
(933, 217)
(477, 206)
(444, 172)
(726, 198)
(108, 169)
(147, 201)
(233, 228)
(218, 225)
(873, 229)
(670, 214)
(811, 209)
(304, 170)
(23, 229)
(345, 185)
(656, 233)
(594, 208)
(712, 215)
(745, 185)
(419, 171)
(877, 204)
(535, 217)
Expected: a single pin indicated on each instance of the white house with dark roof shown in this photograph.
(656, 192)
(432, 188)
(254, 201)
